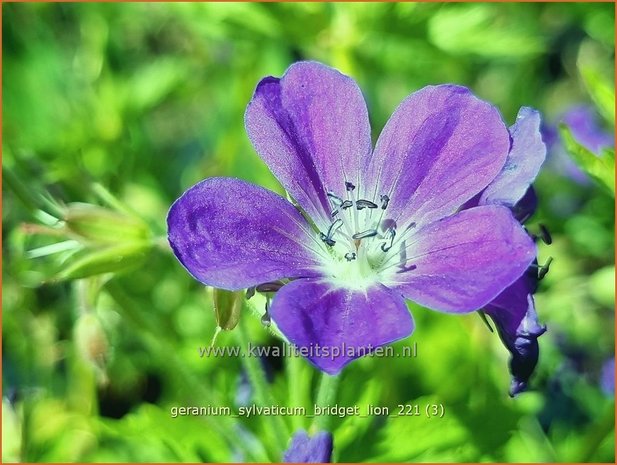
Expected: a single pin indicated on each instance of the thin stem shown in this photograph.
(276, 428)
(298, 392)
(326, 395)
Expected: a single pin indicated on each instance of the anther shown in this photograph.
(389, 236)
(384, 201)
(326, 239)
(349, 186)
(250, 292)
(346, 204)
(269, 287)
(336, 200)
(365, 234)
(407, 268)
(350, 256)
(265, 319)
(544, 269)
(334, 227)
(361, 204)
(545, 235)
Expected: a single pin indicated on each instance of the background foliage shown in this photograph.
(126, 105)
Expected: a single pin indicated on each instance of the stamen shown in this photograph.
(361, 204)
(545, 235)
(384, 201)
(346, 204)
(365, 234)
(407, 268)
(350, 256)
(336, 200)
(265, 319)
(326, 239)
(389, 236)
(334, 213)
(250, 292)
(334, 227)
(544, 269)
(349, 186)
(269, 287)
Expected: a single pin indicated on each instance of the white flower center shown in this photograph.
(360, 246)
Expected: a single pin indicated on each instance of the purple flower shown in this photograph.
(513, 311)
(368, 228)
(305, 449)
(583, 122)
(607, 377)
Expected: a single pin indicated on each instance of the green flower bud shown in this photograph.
(227, 308)
(99, 225)
(111, 259)
(91, 341)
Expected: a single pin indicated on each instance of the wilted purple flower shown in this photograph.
(305, 449)
(371, 227)
(513, 311)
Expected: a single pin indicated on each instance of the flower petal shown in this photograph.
(523, 163)
(514, 314)
(311, 127)
(441, 146)
(334, 326)
(305, 449)
(460, 263)
(232, 235)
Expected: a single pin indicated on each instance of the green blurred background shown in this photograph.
(124, 106)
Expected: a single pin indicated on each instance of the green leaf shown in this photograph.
(483, 30)
(599, 168)
(602, 91)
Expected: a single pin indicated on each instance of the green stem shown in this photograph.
(277, 430)
(298, 388)
(326, 395)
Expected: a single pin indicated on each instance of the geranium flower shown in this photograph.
(583, 121)
(513, 311)
(305, 449)
(367, 229)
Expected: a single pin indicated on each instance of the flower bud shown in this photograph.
(227, 308)
(100, 225)
(91, 262)
(91, 341)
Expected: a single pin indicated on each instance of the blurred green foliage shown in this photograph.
(123, 106)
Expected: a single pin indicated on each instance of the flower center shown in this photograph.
(360, 243)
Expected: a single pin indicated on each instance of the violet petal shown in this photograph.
(522, 164)
(311, 127)
(460, 263)
(322, 320)
(233, 235)
(441, 146)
